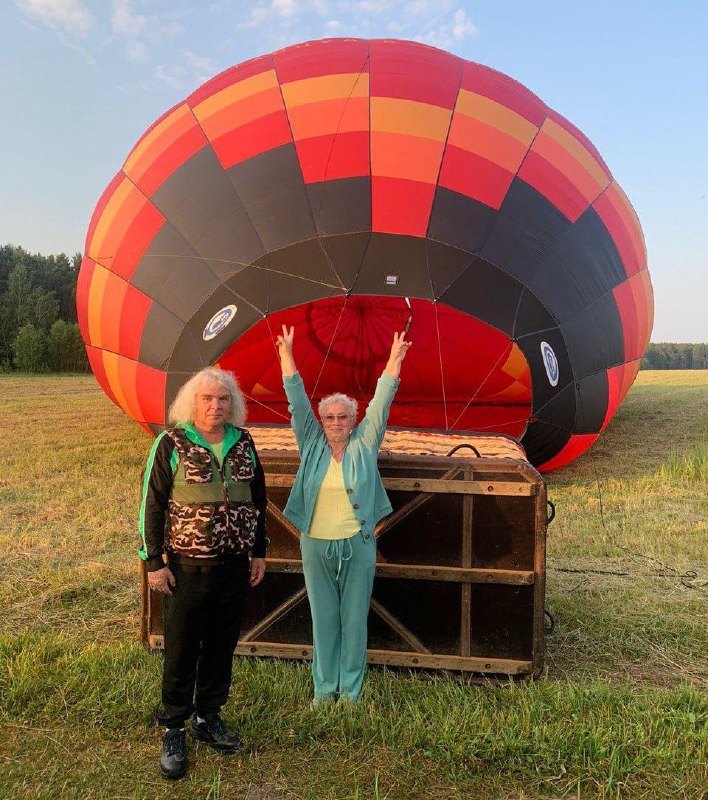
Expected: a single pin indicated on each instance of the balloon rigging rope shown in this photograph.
(440, 365)
(331, 344)
(243, 264)
(437, 332)
(502, 355)
(269, 408)
(334, 138)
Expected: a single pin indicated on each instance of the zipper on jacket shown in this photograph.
(222, 475)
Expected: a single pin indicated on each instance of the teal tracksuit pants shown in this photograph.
(339, 576)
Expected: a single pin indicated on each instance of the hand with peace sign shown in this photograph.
(399, 348)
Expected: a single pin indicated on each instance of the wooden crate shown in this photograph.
(460, 575)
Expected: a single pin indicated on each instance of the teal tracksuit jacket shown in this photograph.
(359, 466)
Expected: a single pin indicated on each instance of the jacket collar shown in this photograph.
(231, 436)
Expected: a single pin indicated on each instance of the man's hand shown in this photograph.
(161, 580)
(257, 571)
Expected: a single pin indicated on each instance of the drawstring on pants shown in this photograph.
(336, 549)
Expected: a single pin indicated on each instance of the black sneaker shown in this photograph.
(173, 759)
(213, 731)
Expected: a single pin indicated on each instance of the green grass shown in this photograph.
(620, 712)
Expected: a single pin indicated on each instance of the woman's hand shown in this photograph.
(284, 342)
(399, 348)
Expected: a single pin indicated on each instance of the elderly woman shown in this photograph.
(202, 521)
(336, 500)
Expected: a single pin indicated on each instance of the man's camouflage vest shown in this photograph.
(211, 513)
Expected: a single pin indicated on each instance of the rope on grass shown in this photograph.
(550, 621)
(688, 579)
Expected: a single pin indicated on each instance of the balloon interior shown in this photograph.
(352, 188)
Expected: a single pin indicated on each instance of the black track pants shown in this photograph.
(202, 626)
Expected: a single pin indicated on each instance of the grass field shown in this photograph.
(621, 711)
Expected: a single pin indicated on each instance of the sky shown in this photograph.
(80, 80)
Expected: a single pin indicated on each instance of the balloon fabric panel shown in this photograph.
(620, 380)
(168, 144)
(621, 221)
(575, 447)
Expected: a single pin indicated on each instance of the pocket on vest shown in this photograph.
(197, 467)
(240, 464)
(191, 530)
(237, 532)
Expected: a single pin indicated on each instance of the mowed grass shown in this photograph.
(621, 711)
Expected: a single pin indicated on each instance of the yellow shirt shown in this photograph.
(333, 517)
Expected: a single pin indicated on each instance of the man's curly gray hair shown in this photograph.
(348, 402)
(183, 407)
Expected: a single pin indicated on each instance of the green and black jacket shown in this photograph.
(192, 509)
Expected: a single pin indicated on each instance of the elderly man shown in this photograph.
(202, 521)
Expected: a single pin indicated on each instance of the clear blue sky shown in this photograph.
(80, 80)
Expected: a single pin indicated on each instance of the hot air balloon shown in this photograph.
(352, 188)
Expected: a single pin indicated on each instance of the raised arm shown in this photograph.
(302, 420)
(285, 351)
(372, 428)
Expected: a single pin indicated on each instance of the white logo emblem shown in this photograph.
(218, 322)
(550, 362)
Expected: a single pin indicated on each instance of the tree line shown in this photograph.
(670, 355)
(38, 328)
(39, 332)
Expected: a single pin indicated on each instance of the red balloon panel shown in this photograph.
(342, 345)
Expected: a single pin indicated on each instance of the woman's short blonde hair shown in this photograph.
(184, 405)
(348, 402)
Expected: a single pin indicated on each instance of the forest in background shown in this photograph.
(38, 328)
(39, 332)
(670, 355)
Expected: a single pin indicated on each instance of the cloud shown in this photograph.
(189, 71)
(124, 22)
(140, 32)
(448, 32)
(463, 26)
(136, 51)
(443, 23)
(428, 7)
(202, 67)
(281, 14)
(258, 16)
(286, 8)
(70, 17)
(172, 74)
(371, 7)
(203, 63)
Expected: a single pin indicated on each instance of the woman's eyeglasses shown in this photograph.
(333, 417)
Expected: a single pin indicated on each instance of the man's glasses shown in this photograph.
(333, 417)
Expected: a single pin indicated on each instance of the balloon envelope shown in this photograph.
(351, 188)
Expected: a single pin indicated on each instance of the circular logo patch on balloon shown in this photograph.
(550, 362)
(218, 322)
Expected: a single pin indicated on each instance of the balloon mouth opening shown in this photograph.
(460, 373)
